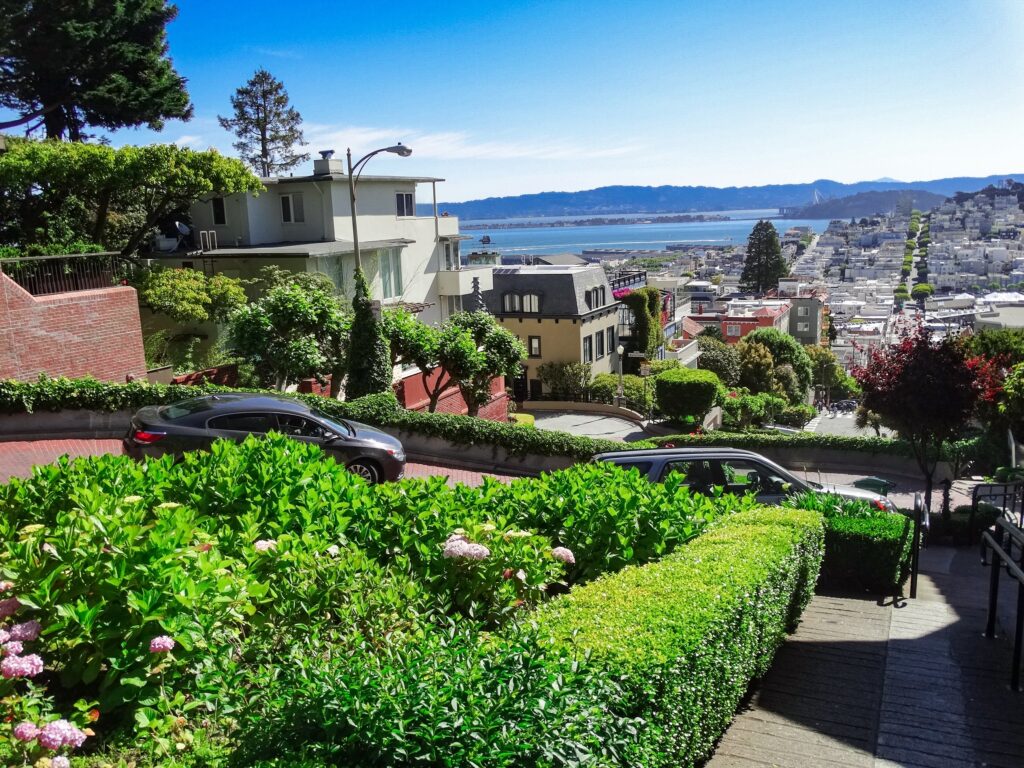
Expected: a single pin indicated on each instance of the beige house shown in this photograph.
(562, 313)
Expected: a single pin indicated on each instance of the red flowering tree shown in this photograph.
(925, 390)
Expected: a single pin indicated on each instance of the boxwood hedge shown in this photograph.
(687, 634)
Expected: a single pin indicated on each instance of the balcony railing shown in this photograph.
(45, 275)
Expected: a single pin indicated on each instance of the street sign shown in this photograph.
(645, 370)
(636, 354)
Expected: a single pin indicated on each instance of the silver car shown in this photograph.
(734, 471)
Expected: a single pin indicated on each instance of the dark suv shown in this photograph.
(194, 424)
(734, 471)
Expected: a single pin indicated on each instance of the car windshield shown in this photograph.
(186, 408)
(337, 426)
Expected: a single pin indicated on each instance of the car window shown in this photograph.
(258, 423)
(338, 426)
(298, 426)
(186, 408)
(741, 476)
(700, 475)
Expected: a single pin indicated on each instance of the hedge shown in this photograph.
(868, 553)
(55, 394)
(687, 634)
(684, 392)
(866, 549)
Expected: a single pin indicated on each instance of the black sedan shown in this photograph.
(194, 424)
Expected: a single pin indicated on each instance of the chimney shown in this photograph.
(327, 164)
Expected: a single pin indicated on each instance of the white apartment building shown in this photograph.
(304, 223)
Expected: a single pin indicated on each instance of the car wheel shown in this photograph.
(366, 470)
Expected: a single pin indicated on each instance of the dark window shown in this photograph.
(511, 302)
(291, 209)
(588, 297)
(219, 214)
(531, 302)
(599, 338)
(588, 349)
(259, 423)
(186, 408)
(700, 475)
(643, 467)
(534, 346)
(610, 339)
(297, 426)
(286, 209)
(404, 204)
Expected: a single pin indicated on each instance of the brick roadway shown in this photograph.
(17, 459)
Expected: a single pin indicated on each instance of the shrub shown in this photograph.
(565, 380)
(865, 548)
(687, 634)
(686, 392)
(605, 388)
(795, 415)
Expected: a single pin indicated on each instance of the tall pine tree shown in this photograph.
(267, 126)
(66, 66)
(764, 264)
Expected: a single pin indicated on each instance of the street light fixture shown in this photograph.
(621, 351)
(354, 172)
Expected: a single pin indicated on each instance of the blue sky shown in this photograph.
(513, 97)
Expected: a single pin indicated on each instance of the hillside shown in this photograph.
(869, 204)
(670, 199)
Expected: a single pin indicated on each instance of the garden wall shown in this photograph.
(86, 333)
(412, 394)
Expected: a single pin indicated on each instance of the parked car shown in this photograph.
(734, 470)
(194, 424)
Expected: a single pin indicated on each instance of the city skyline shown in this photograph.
(514, 98)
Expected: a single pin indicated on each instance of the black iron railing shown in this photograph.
(1002, 545)
(45, 275)
(1007, 497)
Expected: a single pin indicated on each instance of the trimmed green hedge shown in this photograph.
(755, 440)
(866, 548)
(687, 634)
(868, 553)
(684, 392)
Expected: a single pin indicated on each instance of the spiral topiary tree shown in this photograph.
(369, 370)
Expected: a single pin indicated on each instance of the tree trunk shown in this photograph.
(336, 376)
(99, 228)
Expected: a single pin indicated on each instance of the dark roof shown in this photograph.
(564, 259)
(562, 289)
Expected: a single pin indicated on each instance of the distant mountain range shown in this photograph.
(869, 203)
(669, 199)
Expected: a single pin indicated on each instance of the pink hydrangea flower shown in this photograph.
(4, 636)
(13, 648)
(459, 547)
(9, 607)
(21, 666)
(161, 644)
(26, 731)
(564, 554)
(27, 631)
(265, 545)
(60, 762)
(60, 733)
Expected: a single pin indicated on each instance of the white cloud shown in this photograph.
(456, 145)
(188, 140)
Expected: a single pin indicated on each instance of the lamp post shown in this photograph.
(620, 350)
(354, 172)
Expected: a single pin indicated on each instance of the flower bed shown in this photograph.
(170, 596)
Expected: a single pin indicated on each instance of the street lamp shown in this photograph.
(620, 350)
(354, 172)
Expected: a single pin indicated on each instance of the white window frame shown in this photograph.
(530, 340)
(405, 205)
(803, 311)
(452, 305)
(390, 261)
(223, 210)
(803, 327)
(292, 197)
(732, 329)
(610, 339)
(588, 349)
(512, 302)
(599, 350)
(531, 303)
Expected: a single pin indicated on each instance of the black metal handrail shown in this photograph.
(46, 275)
(1010, 534)
(920, 529)
(1011, 502)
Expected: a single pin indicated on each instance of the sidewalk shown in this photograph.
(914, 685)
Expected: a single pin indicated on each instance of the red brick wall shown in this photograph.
(413, 395)
(95, 333)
